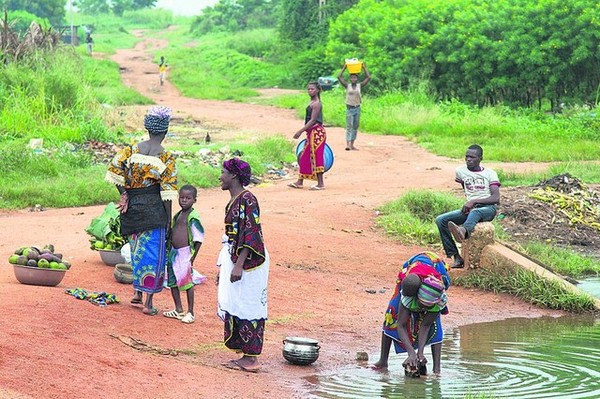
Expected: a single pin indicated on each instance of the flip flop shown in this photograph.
(136, 301)
(150, 312)
(294, 185)
(316, 188)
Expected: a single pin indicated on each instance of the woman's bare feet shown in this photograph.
(248, 363)
(379, 365)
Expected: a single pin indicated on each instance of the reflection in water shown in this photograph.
(517, 358)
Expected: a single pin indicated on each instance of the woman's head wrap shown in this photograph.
(239, 168)
(157, 120)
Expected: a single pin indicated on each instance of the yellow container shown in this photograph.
(353, 65)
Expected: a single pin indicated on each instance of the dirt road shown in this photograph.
(325, 255)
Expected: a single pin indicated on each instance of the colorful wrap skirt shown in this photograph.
(390, 326)
(311, 160)
(179, 268)
(242, 305)
(148, 259)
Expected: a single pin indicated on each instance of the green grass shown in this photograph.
(57, 97)
(412, 216)
(111, 32)
(584, 171)
(447, 129)
(109, 42)
(261, 155)
(527, 286)
(104, 77)
(45, 97)
(59, 180)
(562, 261)
(224, 66)
(66, 176)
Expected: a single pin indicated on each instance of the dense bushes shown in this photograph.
(517, 51)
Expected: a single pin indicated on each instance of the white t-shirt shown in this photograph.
(477, 184)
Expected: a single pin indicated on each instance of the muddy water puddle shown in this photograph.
(516, 358)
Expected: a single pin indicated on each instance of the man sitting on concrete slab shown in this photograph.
(482, 189)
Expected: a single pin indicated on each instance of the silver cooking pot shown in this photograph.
(299, 350)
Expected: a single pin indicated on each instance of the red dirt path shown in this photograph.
(325, 254)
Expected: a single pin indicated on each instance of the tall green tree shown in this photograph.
(307, 21)
(118, 7)
(92, 7)
(482, 51)
(53, 10)
(236, 15)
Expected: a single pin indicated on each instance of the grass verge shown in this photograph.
(527, 286)
(448, 128)
(67, 176)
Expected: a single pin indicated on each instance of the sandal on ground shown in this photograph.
(316, 188)
(174, 314)
(150, 312)
(294, 185)
(188, 318)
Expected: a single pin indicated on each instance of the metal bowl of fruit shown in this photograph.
(39, 276)
(111, 257)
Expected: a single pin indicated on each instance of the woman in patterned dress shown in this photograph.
(146, 176)
(243, 269)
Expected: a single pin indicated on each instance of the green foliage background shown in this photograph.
(486, 52)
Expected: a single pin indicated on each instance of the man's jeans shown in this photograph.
(352, 122)
(468, 221)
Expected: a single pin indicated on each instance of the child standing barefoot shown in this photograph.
(186, 238)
